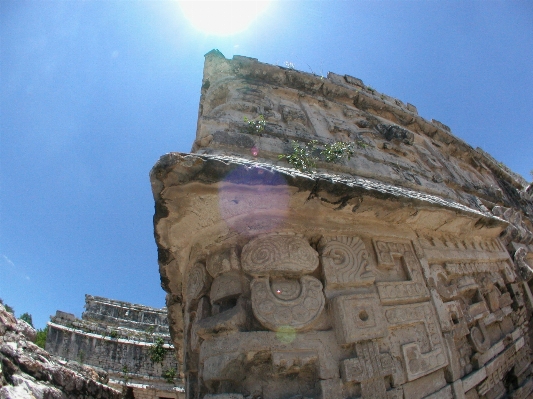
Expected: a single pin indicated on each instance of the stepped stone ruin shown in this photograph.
(29, 372)
(116, 336)
(402, 272)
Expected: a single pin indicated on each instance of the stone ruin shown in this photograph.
(116, 336)
(29, 372)
(402, 272)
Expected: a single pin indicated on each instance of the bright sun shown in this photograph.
(222, 17)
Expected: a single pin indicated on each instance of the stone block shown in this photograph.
(358, 317)
(222, 262)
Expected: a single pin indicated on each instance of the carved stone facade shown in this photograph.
(117, 336)
(400, 273)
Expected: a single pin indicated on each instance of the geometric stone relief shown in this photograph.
(397, 259)
(345, 262)
(391, 334)
(457, 269)
(417, 362)
(369, 369)
(358, 317)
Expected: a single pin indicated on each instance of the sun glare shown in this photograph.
(222, 17)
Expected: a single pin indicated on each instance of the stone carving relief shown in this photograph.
(401, 271)
(345, 262)
(358, 317)
(287, 303)
(279, 254)
(196, 282)
(342, 322)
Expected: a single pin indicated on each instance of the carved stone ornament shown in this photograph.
(345, 262)
(287, 304)
(196, 281)
(281, 254)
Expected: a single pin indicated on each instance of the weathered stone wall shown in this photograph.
(402, 272)
(124, 314)
(117, 338)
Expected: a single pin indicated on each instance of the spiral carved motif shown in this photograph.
(300, 313)
(345, 261)
(279, 254)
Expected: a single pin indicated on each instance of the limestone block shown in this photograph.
(444, 393)
(426, 386)
(278, 254)
(290, 362)
(331, 389)
(227, 285)
(245, 345)
(233, 319)
(345, 262)
(223, 262)
(358, 317)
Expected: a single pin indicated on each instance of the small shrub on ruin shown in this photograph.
(158, 351)
(256, 126)
(169, 375)
(304, 158)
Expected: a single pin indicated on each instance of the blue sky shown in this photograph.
(94, 92)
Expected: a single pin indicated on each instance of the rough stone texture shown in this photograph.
(113, 335)
(29, 372)
(403, 272)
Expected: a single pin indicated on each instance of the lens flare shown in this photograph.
(286, 334)
(253, 200)
(221, 17)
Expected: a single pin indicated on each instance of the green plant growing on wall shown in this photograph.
(338, 150)
(158, 351)
(304, 158)
(169, 375)
(256, 126)
(125, 373)
(113, 334)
